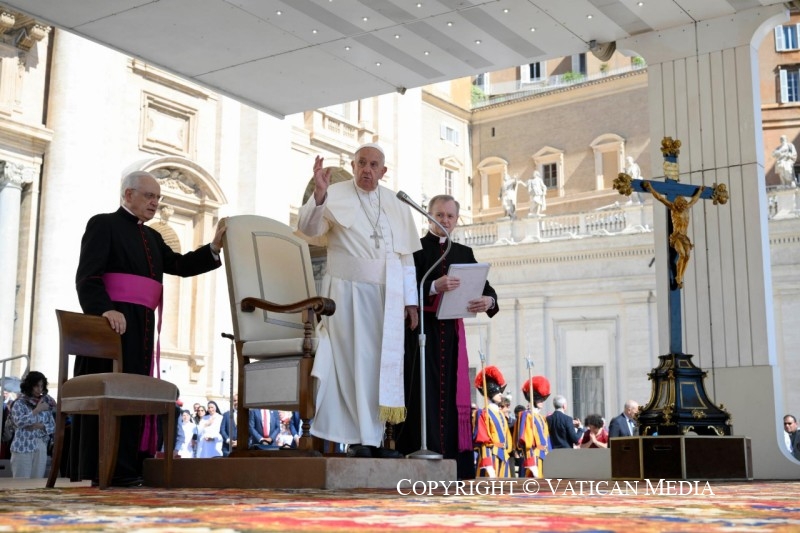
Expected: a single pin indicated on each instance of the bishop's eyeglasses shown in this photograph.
(150, 196)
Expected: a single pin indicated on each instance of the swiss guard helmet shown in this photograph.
(541, 389)
(495, 382)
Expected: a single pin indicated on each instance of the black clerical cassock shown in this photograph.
(119, 243)
(441, 358)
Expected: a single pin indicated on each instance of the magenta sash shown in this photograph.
(463, 398)
(148, 292)
(463, 388)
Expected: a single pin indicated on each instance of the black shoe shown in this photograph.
(357, 450)
(128, 482)
(386, 453)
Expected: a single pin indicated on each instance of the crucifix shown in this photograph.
(673, 195)
(377, 237)
(679, 402)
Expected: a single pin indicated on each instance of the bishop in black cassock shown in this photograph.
(446, 421)
(120, 243)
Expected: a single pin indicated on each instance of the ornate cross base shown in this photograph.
(679, 403)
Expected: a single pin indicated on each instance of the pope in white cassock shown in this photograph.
(371, 237)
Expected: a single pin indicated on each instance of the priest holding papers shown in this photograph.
(447, 381)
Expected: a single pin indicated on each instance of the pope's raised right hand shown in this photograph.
(322, 179)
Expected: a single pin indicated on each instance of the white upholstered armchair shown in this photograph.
(275, 307)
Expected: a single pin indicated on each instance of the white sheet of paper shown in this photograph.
(473, 278)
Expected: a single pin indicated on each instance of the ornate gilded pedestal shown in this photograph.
(679, 403)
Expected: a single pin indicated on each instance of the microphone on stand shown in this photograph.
(423, 452)
(227, 336)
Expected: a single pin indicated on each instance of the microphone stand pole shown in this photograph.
(424, 452)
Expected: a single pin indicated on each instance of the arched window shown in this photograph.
(451, 173)
(609, 159)
(550, 162)
(187, 219)
(492, 170)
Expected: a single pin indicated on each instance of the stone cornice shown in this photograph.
(573, 257)
(445, 106)
(28, 139)
(163, 77)
(24, 31)
(568, 95)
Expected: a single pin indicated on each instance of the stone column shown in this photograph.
(13, 177)
(704, 90)
(81, 176)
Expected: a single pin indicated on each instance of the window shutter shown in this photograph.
(442, 131)
(525, 73)
(779, 46)
(784, 86)
(456, 138)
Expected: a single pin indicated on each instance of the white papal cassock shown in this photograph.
(359, 359)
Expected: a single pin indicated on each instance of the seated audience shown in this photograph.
(596, 436)
(209, 438)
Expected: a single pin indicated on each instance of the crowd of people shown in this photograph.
(205, 433)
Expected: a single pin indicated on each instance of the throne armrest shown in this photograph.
(320, 305)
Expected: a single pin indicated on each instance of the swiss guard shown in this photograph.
(531, 436)
(490, 436)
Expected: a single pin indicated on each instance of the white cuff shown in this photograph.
(410, 294)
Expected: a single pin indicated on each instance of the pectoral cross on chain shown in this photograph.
(377, 236)
(673, 195)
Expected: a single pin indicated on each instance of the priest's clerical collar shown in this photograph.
(362, 191)
(138, 221)
(442, 240)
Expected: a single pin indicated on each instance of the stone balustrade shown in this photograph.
(783, 202)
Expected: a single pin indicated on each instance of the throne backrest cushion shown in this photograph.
(265, 259)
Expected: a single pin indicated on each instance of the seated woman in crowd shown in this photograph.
(596, 436)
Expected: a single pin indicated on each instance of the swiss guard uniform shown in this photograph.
(490, 436)
(531, 435)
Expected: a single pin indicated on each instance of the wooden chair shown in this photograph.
(275, 342)
(108, 395)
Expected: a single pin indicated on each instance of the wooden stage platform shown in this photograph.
(298, 472)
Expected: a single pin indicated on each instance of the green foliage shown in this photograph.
(571, 77)
(638, 61)
(478, 95)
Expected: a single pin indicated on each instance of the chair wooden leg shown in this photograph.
(388, 441)
(242, 417)
(109, 446)
(58, 447)
(169, 446)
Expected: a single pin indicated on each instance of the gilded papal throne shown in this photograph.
(275, 307)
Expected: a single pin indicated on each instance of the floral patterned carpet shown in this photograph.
(746, 506)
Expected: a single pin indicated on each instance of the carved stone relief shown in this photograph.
(15, 175)
(173, 179)
(167, 126)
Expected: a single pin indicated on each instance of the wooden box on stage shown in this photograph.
(681, 457)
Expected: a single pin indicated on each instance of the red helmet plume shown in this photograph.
(541, 388)
(495, 382)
